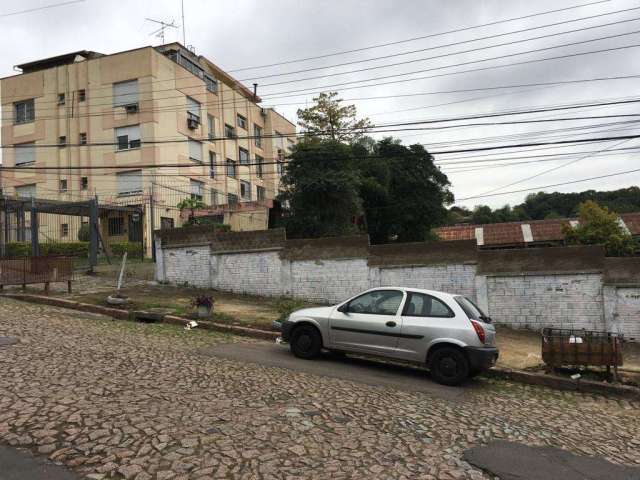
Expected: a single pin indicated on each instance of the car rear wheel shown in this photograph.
(449, 366)
(306, 342)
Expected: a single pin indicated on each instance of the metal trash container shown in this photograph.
(568, 347)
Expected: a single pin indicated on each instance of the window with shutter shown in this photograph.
(25, 153)
(128, 137)
(129, 183)
(195, 151)
(125, 93)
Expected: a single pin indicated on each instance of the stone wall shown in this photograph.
(570, 287)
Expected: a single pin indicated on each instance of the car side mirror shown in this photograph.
(344, 308)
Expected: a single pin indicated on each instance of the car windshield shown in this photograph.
(471, 309)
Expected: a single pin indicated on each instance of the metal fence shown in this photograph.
(29, 270)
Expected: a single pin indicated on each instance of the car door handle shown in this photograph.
(390, 323)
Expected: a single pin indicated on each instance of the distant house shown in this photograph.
(531, 233)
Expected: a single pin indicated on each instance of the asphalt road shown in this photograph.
(356, 369)
(19, 465)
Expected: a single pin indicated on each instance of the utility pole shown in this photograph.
(152, 214)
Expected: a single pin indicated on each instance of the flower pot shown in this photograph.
(203, 311)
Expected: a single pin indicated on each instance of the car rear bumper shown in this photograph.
(482, 358)
(284, 328)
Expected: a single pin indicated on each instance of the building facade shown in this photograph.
(146, 127)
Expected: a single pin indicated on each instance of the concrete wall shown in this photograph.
(570, 287)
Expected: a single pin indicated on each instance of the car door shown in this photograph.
(424, 318)
(369, 323)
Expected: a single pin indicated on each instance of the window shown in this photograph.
(279, 140)
(229, 131)
(243, 156)
(214, 198)
(377, 302)
(259, 162)
(25, 153)
(193, 108)
(115, 226)
(212, 164)
(195, 150)
(257, 135)
(128, 137)
(233, 199)
(27, 191)
(241, 121)
(129, 183)
(166, 223)
(125, 93)
(245, 190)
(83, 139)
(211, 83)
(290, 144)
(280, 168)
(421, 305)
(231, 168)
(197, 189)
(24, 112)
(82, 95)
(84, 183)
(62, 140)
(211, 122)
(63, 185)
(260, 193)
(64, 229)
(471, 309)
(61, 99)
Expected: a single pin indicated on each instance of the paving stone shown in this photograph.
(123, 400)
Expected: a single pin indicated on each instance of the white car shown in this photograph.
(447, 332)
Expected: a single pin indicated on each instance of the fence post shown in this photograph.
(35, 240)
(93, 228)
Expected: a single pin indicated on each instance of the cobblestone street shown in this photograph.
(123, 400)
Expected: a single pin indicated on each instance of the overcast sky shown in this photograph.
(247, 33)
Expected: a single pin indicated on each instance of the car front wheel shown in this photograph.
(449, 366)
(306, 342)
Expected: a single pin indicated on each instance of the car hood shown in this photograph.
(315, 312)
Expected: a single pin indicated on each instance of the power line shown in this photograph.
(413, 39)
(37, 9)
(552, 185)
(477, 49)
(526, 62)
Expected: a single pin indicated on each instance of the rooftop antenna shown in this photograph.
(163, 26)
(184, 33)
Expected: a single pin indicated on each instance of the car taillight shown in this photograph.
(479, 330)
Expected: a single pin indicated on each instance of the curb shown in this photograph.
(520, 376)
(562, 383)
(120, 314)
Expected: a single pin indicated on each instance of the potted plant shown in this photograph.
(204, 305)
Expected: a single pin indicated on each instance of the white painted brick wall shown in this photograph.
(536, 301)
(189, 265)
(328, 281)
(256, 273)
(625, 315)
(455, 278)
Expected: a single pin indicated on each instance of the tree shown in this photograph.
(320, 187)
(330, 119)
(191, 204)
(403, 193)
(598, 226)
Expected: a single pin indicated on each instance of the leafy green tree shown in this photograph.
(191, 204)
(404, 194)
(320, 187)
(598, 226)
(329, 118)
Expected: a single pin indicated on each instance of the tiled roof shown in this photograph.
(514, 233)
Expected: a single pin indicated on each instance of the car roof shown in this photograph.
(418, 290)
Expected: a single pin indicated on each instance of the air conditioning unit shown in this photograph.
(131, 108)
(193, 123)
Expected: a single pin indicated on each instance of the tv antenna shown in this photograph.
(163, 26)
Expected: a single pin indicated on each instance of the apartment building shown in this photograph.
(147, 127)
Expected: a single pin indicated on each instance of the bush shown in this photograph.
(285, 306)
(72, 249)
(132, 249)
